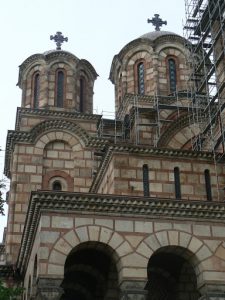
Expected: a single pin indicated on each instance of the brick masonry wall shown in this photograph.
(133, 241)
(128, 177)
(72, 69)
(57, 153)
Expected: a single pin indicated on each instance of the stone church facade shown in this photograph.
(114, 209)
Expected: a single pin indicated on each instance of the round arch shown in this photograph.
(121, 249)
(171, 275)
(90, 270)
(67, 131)
(57, 174)
(191, 248)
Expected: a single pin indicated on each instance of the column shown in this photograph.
(133, 290)
(49, 289)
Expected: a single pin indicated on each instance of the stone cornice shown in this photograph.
(54, 114)
(103, 167)
(113, 205)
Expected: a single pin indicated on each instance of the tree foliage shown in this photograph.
(2, 201)
(7, 293)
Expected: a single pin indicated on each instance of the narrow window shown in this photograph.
(177, 183)
(56, 186)
(36, 90)
(208, 185)
(60, 88)
(82, 100)
(120, 89)
(141, 78)
(146, 180)
(172, 75)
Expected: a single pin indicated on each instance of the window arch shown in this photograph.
(141, 78)
(145, 171)
(82, 93)
(56, 185)
(65, 179)
(208, 185)
(60, 87)
(172, 70)
(36, 90)
(177, 183)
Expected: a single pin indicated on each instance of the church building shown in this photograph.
(125, 208)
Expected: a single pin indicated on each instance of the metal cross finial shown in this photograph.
(59, 39)
(157, 22)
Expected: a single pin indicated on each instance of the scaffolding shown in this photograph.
(205, 36)
(203, 101)
(138, 111)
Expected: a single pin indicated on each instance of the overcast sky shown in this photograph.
(96, 29)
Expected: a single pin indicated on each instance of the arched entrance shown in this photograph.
(90, 273)
(171, 275)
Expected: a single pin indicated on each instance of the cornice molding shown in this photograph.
(68, 115)
(111, 205)
(103, 167)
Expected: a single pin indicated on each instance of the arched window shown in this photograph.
(146, 180)
(177, 183)
(56, 186)
(60, 88)
(172, 74)
(82, 94)
(36, 90)
(208, 185)
(141, 78)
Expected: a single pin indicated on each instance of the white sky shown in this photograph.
(96, 29)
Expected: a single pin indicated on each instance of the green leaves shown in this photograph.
(9, 293)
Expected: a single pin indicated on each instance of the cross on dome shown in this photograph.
(157, 22)
(59, 39)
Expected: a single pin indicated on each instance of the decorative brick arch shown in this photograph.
(57, 173)
(59, 129)
(196, 251)
(180, 126)
(73, 140)
(89, 233)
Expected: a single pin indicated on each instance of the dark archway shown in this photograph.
(171, 276)
(90, 273)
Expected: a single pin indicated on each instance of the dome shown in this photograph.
(153, 35)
